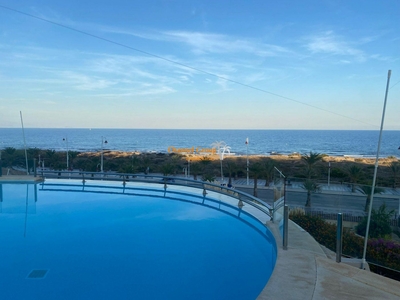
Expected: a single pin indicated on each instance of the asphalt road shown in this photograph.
(350, 202)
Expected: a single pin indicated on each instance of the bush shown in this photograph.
(338, 173)
(379, 226)
(379, 251)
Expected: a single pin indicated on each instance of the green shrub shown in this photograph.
(379, 226)
(338, 173)
(379, 251)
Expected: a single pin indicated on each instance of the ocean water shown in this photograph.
(264, 142)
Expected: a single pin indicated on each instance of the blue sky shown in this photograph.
(200, 64)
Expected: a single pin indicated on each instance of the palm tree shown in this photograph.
(310, 160)
(395, 168)
(135, 163)
(208, 177)
(311, 187)
(168, 169)
(355, 173)
(231, 167)
(9, 150)
(145, 163)
(367, 190)
(269, 168)
(195, 169)
(256, 171)
(205, 161)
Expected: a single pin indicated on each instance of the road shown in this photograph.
(344, 201)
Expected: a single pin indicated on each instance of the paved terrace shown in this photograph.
(309, 271)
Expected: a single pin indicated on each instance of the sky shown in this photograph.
(255, 64)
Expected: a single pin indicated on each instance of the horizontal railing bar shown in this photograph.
(170, 180)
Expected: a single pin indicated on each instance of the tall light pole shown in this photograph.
(222, 173)
(189, 167)
(66, 140)
(329, 173)
(247, 155)
(363, 261)
(23, 134)
(103, 141)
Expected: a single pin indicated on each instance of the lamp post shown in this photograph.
(103, 141)
(222, 173)
(363, 261)
(247, 155)
(66, 140)
(189, 167)
(329, 173)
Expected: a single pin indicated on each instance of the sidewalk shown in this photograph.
(334, 187)
(20, 178)
(305, 271)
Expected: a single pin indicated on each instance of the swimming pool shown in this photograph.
(63, 240)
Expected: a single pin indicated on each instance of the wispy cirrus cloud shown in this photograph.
(85, 82)
(329, 43)
(202, 43)
(218, 43)
(143, 90)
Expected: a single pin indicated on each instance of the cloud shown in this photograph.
(329, 43)
(143, 90)
(218, 43)
(202, 43)
(84, 82)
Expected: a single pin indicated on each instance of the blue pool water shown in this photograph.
(66, 243)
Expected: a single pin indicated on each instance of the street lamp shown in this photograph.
(363, 262)
(247, 155)
(103, 141)
(329, 173)
(188, 166)
(66, 140)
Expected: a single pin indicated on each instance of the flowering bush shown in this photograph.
(379, 251)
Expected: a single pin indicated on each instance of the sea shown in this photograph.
(357, 143)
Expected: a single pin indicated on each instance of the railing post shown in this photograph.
(1, 167)
(339, 237)
(285, 226)
(34, 168)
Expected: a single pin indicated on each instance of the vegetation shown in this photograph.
(256, 171)
(355, 174)
(379, 251)
(367, 190)
(269, 167)
(379, 226)
(395, 169)
(307, 166)
(311, 187)
(310, 160)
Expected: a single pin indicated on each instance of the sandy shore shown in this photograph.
(284, 158)
(279, 157)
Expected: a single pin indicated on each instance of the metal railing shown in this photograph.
(166, 181)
